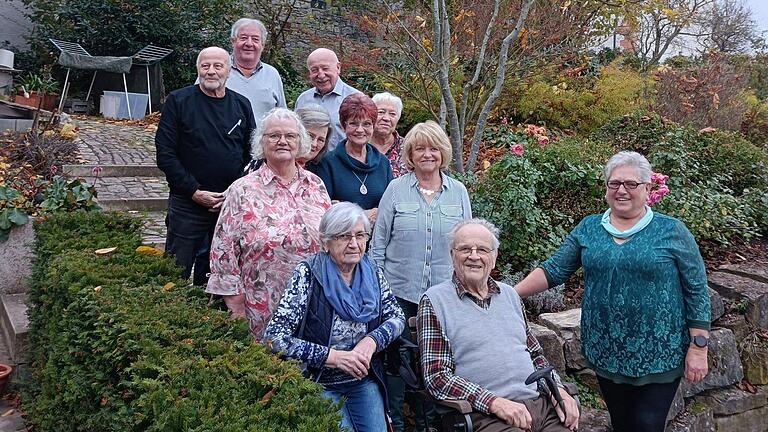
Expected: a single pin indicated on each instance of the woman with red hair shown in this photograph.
(355, 170)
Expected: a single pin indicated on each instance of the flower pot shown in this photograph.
(5, 374)
(49, 101)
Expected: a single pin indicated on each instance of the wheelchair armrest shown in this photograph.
(405, 343)
(462, 406)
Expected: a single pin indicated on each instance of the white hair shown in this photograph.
(248, 22)
(632, 159)
(388, 97)
(474, 221)
(340, 219)
(257, 149)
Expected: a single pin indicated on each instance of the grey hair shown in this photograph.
(315, 116)
(257, 149)
(474, 221)
(388, 97)
(340, 219)
(632, 159)
(248, 22)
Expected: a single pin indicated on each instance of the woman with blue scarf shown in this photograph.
(646, 312)
(337, 316)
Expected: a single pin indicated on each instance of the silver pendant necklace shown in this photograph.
(363, 189)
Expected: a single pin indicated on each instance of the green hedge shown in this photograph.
(114, 347)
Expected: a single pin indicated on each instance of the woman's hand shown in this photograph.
(353, 362)
(366, 347)
(571, 417)
(236, 305)
(696, 367)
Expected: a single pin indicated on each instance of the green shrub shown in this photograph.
(120, 343)
(583, 104)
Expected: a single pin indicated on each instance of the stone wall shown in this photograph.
(734, 394)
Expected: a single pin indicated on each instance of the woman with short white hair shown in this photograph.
(337, 316)
(269, 222)
(385, 137)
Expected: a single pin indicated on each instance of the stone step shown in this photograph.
(10, 418)
(735, 287)
(747, 270)
(134, 204)
(14, 321)
(112, 170)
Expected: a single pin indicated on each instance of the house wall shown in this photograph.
(15, 26)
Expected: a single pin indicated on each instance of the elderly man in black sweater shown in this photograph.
(203, 143)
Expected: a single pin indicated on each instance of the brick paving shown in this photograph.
(102, 143)
(115, 144)
(129, 187)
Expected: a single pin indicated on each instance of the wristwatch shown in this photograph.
(701, 341)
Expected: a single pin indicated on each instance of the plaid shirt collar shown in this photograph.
(461, 291)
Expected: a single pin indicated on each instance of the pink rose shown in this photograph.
(517, 149)
(543, 140)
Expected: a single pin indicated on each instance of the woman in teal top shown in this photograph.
(646, 312)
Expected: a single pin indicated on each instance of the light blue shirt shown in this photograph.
(264, 88)
(331, 101)
(410, 240)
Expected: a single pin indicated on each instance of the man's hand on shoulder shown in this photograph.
(210, 200)
(514, 413)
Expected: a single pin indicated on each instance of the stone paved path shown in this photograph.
(108, 144)
(114, 144)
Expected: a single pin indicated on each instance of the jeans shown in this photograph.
(396, 387)
(363, 410)
(638, 408)
(190, 230)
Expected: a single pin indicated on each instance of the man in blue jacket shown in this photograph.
(203, 143)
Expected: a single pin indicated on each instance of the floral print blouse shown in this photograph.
(395, 156)
(264, 230)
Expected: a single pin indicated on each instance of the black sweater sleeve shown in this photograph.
(167, 145)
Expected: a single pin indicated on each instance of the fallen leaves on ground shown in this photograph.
(149, 250)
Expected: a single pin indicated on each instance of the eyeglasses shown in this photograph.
(628, 184)
(275, 137)
(354, 125)
(467, 250)
(361, 237)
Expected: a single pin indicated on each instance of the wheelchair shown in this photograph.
(455, 414)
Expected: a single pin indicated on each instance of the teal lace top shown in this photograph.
(640, 297)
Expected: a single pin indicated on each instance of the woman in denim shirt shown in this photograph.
(410, 240)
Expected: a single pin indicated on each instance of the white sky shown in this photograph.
(760, 11)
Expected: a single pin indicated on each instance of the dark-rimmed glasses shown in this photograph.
(628, 184)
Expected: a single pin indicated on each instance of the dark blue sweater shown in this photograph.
(203, 142)
(338, 170)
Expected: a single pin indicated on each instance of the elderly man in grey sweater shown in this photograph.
(476, 344)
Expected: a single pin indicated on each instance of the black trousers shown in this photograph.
(638, 408)
(190, 230)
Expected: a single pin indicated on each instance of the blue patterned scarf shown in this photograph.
(360, 303)
(612, 230)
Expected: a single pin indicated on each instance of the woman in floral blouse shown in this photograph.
(269, 223)
(337, 316)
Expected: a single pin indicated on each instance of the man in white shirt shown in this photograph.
(329, 90)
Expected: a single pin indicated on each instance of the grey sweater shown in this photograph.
(489, 345)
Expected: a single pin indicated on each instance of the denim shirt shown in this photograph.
(410, 240)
